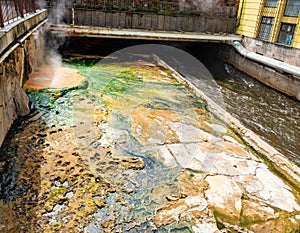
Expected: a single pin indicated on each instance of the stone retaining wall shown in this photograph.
(13, 71)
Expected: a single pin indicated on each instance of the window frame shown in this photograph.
(270, 3)
(290, 8)
(288, 34)
(265, 29)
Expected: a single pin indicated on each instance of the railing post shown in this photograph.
(33, 5)
(19, 8)
(1, 16)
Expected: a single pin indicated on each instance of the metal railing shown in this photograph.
(11, 10)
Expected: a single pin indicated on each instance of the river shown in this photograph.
(133, 150)
(272, 115)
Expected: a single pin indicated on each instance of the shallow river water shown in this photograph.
(132, 150)
(272, 115)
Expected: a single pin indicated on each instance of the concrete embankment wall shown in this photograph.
(17, 60)
(276, 79)
(150, 21)
(276, 51)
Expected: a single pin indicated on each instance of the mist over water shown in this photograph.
(203, 6)
(54, 58)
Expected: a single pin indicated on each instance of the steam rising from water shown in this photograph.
(204, 6)
(54, 58)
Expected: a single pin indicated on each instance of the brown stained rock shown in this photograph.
(151, 126)
(54, 77)
(235, 149)
(182, 195)
(225, 198)
(270, 188)
(205, 226)
(290, 224)
(256, 211)
(163, 154)
(189, 204)
(21, 101)
(156, 126)
(171, 213)
(62, 172)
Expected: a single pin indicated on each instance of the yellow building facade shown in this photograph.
(275, 21)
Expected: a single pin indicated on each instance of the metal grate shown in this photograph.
(266, 28)
(271, 3)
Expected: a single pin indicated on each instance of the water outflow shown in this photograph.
(272, 115)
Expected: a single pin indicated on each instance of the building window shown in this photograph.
(292, 8)
(265, 28)
(286, 33)
(271, 3)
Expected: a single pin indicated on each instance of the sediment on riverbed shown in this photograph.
(137, 151)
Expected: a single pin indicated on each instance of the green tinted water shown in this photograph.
(118, 91)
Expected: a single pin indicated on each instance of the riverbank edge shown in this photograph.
(275, 78)
(276, 161)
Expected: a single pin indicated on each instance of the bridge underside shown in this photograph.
(98, 32)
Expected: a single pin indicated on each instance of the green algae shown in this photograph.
(57, 194)
(179, 227)
(121, 89)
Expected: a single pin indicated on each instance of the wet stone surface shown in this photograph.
(135, 152)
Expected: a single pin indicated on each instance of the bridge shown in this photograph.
(154, 20)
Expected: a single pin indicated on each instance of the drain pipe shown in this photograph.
(73, 16)
(278, 65)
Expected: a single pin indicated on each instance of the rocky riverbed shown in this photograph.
(135, 151)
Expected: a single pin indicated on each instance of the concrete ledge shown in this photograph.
(13, 31)
(276, 161)
(276, 51)
(84, 31)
